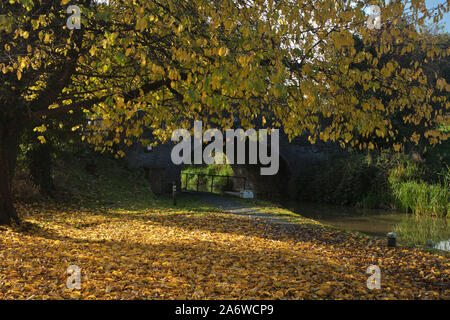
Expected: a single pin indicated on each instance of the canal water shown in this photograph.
(412, 230)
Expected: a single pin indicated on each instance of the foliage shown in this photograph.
(376, 180)
(37, 158)
(221, 184)
(40, 161)
(423, 198)
(91, 179)
(216, 60)
(160, 65)
(346, 179)
(437, 162)
(432, 69)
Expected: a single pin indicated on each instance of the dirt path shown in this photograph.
(228, 205)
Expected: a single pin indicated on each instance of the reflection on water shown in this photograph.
(369, 221)
(443, 245)
(378, 222)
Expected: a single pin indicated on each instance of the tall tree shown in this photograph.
(172, 61)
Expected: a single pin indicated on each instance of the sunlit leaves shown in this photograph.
(163, 253)
(293, 63)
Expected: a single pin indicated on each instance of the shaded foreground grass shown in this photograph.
(145, 249)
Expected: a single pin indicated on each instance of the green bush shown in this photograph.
(204, 182)
(347, 179)
(39, 159)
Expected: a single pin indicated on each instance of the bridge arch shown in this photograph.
(265, 185)
(293, 155)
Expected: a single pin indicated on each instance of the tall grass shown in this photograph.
(423, 199)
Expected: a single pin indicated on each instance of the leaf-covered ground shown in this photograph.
(196, 253)
(130, 245)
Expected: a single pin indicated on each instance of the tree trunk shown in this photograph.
(8, 152)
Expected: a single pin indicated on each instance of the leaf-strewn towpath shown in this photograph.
(227, 205)
(197, 251)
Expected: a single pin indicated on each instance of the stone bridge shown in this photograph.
(299, 154)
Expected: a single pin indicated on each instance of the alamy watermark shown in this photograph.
(257, 142)
(74, 279)
(374, 21)
(74, 20)
(374, 281)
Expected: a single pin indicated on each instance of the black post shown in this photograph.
(174, 193)
(212, 183)
(198, 180)
(391, 239)
(186, 182)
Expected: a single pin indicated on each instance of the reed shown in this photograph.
(423, 199)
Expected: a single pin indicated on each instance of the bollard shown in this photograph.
(174, 193)
(391, 239)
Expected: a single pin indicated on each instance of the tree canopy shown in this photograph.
(288, 63)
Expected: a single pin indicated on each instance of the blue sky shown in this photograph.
(446, 20)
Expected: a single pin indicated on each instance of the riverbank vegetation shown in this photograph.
(379, 180)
